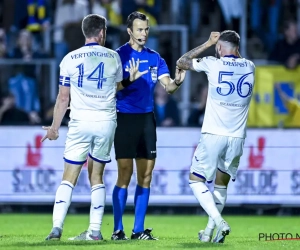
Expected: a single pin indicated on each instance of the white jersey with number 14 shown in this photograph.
(231, 83)
(92, 72)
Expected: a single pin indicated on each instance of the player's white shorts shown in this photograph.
(93, 138)
(217, 152)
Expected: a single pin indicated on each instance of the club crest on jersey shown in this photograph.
(153, 71)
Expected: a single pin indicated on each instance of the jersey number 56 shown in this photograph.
(232, 87)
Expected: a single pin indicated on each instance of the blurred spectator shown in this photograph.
(23, 84)
(232, 11)
(114, 19)
(24, 47)
(3, 51)
(197, 114)
(189, 13)
(113, 11)
(68, 17)
(3, 44)
(3, 54)
(25, 96)
(48, 118)
(67, 23)
(287, 50)
(37, 15)
(259, 10)
(96, 6)
(24, 50)
(68, 27)
(32, 15)
(10, 114)
(293, 107)
(7, 7)
(165, 108)
(151, 8)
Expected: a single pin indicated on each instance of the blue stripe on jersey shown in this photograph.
(91, 44)
(64, 81)
(231, 56)
(80, 75)
(139, 96)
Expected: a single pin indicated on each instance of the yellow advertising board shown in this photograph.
(267, 109)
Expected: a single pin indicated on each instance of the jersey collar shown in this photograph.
(231, 56)
(135, 51)
(91, 44)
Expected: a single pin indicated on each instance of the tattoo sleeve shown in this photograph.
(186, 61)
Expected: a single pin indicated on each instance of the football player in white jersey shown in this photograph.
(231, 81)
(90, 75)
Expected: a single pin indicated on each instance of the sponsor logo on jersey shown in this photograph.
(153, 71)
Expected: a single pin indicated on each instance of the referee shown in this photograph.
(135, 136)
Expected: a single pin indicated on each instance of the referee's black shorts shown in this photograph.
(135, 136)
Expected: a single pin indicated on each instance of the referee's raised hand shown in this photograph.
(133, 70)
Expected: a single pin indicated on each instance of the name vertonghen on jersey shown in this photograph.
(89, 54)
(92, 72)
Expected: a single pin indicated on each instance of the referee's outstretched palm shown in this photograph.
(133, 70)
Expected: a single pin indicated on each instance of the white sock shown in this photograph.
(220, 196)
(206, 200)
(98, 197)
(62, 202)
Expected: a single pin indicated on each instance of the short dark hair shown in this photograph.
(135, 15)
(230, 36)
(92, 25)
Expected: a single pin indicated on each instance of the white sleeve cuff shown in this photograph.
(163, 75)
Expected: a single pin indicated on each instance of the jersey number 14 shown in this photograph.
(96, 75)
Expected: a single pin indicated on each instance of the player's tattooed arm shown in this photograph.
(186, 61)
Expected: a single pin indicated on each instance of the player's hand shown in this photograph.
(214, 37)
(179, 75)
(133, 70)
(51, 134)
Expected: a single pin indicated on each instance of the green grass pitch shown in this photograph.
(27, 231)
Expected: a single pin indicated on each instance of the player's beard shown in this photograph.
(217, 55)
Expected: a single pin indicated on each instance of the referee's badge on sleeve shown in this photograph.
(153, 71)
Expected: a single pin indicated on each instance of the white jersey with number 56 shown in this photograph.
(231, 82)
(92, 72)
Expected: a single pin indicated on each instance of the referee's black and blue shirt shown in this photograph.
(139, 96)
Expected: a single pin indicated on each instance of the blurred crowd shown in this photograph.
(32, 31)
